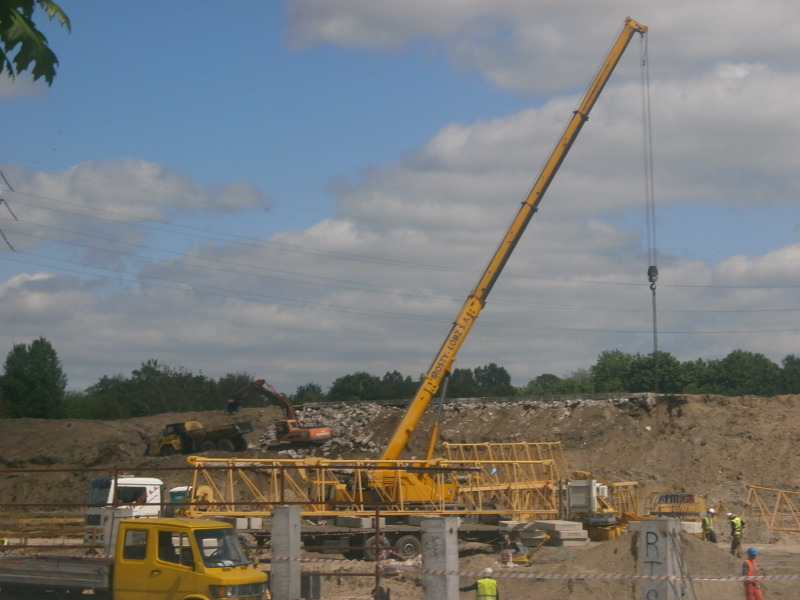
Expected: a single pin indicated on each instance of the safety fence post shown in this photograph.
(440, 558)
(658, 559)
(286, 566)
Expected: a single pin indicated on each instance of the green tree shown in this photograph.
(743, 373)
(493, 381)
(230, 383)
(152, 389)
(610, 372)
(310, 392)
(395, 386)
(578, 382)
(545, 384)
(110, 398)
(173, 389)
(33, 383)
(462, 384)
(790, 375)
(642, 374)
(358, 386)
(694, 376)
(22, 45)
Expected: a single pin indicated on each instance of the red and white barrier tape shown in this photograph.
(583, 576)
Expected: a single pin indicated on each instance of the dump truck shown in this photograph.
(171, 559)
(191, 436)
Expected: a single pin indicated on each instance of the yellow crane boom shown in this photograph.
(476, 300)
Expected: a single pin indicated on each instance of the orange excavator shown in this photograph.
(289, 430)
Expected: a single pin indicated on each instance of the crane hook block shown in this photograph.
(652, 274)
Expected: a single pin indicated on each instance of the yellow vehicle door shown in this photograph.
(154, 564)
(173, 574)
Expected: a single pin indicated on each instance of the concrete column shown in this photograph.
(284, 579)
(658, 555)
(440, 553)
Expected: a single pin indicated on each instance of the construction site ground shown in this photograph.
(709, 445)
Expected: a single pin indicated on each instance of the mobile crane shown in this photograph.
(518, 483)
(476, 300)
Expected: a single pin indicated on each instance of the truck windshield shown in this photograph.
(100, 490)
(220, 548)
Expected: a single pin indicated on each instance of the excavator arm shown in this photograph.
(476, 300)
(260, 386)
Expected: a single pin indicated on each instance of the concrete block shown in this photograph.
(569, 535)
(416, 520)
(691, 527)
(549, 526)
(567, 543)
(249, 523)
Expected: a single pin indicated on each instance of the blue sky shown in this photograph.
(223, 96)
(305, 189)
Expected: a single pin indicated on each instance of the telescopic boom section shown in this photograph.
(477, 299)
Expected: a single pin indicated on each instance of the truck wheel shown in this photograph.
(240, 444)
(167, 451)
(226, 445)
(408, 547)
(371, 551)
(207, 445)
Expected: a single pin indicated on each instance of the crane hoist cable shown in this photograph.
(650, 212)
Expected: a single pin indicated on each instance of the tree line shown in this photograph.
(33, 384)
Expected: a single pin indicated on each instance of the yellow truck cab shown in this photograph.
(153, 559)
(183, 558)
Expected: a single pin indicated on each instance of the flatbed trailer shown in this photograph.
(65, 573)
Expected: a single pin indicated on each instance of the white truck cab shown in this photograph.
(142, 496)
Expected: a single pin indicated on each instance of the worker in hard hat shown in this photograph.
(752, 589)
(737, 525)
(709, 534)
(485, 588)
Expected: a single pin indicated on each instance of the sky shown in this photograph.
(305, 189)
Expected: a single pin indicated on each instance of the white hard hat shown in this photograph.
(487, 572)
(729, 515)
(712, 511)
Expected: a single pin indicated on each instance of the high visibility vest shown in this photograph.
(736, 526)
(707, 523)
(750, 570)
(487, 589)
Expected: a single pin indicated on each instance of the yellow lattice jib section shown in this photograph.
(779, 510)
(521, 478)
(516, 451)
(503, 486)
(624, 497)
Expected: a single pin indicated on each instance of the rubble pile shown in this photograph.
(364, 428)
(352, 427)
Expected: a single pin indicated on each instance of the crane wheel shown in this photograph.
(408, 547)
(371, 549)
